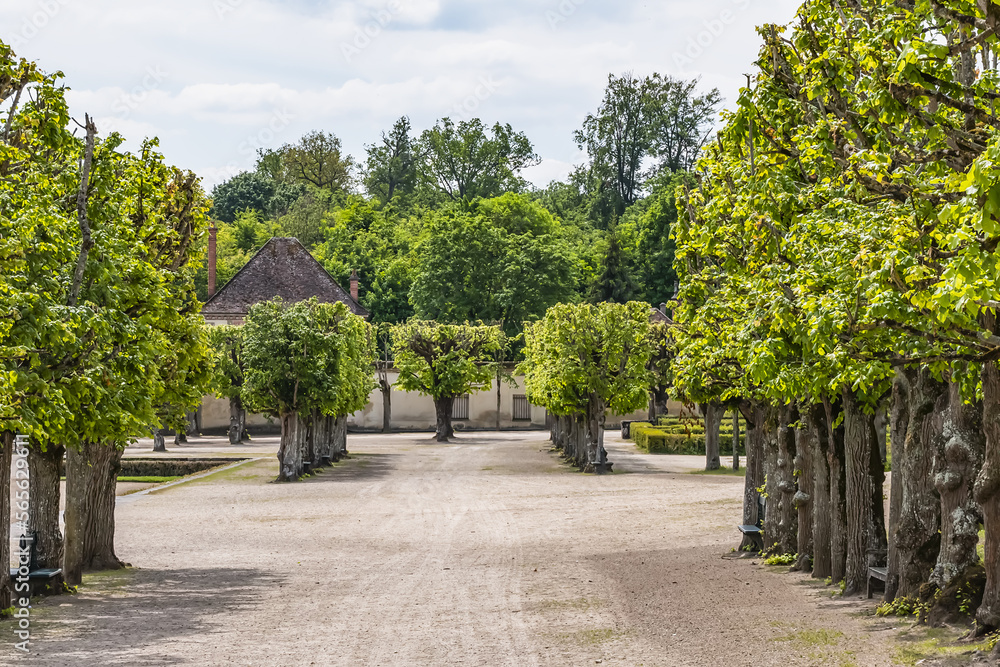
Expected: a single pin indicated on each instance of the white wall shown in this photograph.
(414, 412)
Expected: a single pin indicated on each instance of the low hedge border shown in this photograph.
(653, 440)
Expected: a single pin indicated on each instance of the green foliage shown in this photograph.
(306, 356)
(578, 353)
(500, 263)
(467, 161)
(445, 360)
(781, 559)
(901, 607)
(392, 167)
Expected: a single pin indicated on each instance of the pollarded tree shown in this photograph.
(581, 361)
(303, 360)
(228, 376)
(445, 361)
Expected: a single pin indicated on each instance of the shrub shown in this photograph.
(656, 440)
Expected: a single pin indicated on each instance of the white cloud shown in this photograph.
(263, 72)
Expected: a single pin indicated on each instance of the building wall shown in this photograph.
(414, 412)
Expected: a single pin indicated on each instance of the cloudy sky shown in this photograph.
(217, 79)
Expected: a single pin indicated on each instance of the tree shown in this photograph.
(640, 119)
(615, 284)
(302, 361)
(247, 191)
(445, 361)
(317, 160)
(466, 161)
(502, 262)
(228, 377)
(580, 361)
(392, 165)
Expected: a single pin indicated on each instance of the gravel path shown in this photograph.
(484, 552)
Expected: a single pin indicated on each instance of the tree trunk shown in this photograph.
(786, 536)
(91, 480)
(159, 443)
(805, 448)
(45, 470)
(387, 409)
(310, 457)
(194, 422)
(736, 438)
(498, 401)
(860, 443)
(237, 421)
(289, 453)
(321, 440)
(916, 537)
(956, 466)
(898, 418)
(442, 410)
(340, 437)
(21, 485)
(822, 512)
(756, 415)
(596, 457)
(881, 434)
(838, 490)
(713, 424)
(988, 490)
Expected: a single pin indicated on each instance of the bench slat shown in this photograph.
(748, 530)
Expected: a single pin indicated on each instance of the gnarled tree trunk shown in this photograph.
(838, 491)
(756, 415)
(159, 443)
(861, 448)
(805, 448)
(595, 456)
(713, 425)
(988, 489)
(91, 480)
(6, 457)
(237, 421)
(822, 509)
(916, 537)
(442, 410)
(956, 466)
(45, 468)
(290, 452)
(785, 536)
(340, 436)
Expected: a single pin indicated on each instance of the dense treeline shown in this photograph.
(442, 225)
(839, 280)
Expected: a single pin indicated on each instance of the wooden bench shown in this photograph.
(38, 577)
(756, 532)
(877, 574)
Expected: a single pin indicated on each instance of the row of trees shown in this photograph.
(580, 361)
(99, 328)
(838, 260)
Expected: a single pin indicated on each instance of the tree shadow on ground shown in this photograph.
(360, 467)
(132, 617)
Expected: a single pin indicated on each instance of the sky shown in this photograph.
(215, 80)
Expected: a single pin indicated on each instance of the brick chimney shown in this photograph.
(212, 232)
(355, 281)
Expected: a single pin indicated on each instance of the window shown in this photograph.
(460, 409)
(522, 409)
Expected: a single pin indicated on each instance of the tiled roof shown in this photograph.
(282, 268)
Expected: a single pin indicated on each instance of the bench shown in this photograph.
(38, 578)
(756, 532)
(877, 574)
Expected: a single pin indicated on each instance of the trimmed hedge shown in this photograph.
(656, 440)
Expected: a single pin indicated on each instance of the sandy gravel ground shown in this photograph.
(484, 552)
